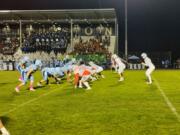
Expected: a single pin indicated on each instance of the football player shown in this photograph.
(82, 73)
(97, 69)
(28, 75)
(55, 73)
(150, 67)
(121, 66)
(22, 65)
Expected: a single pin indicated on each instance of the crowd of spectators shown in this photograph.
(9, 40)
(46, 41)
(91, 46)
(7, 57)
(9, 46)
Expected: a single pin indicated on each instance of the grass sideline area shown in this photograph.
(111, 108)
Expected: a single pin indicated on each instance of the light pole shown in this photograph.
(126, 30)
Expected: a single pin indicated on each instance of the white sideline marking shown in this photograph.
(168, 102)
(30, 101)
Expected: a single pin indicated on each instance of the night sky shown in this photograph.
(153, 25)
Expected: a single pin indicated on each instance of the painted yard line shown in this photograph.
(168, 102)
(30, 101)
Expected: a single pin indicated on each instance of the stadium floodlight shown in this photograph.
(5, 11)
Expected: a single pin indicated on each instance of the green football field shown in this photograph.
(111, 108)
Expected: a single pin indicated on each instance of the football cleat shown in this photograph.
(149, 83)
(39, 84)
(122, 79)
(17, 89)
(88, 88)
(32, 89)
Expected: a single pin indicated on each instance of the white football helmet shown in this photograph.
(143, 55)
(73, 60)
(26, 58)
(91, 63)
(114, 56)
(38, 63)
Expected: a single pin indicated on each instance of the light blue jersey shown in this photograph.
(32, 67)
(67, 68)
(69, 63)
(49, 70)
(56, 72)
(59, 71)
(21, 66)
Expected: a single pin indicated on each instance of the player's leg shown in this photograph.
(17, 89)
(76, 80)
(80, 83)
(99, 71)
(84, 80)
(148, 74)
(121, 77)
(93, 78)
(45, 78)
(120, 72)
(87, 85)
(100, 74)
(31, 87)
(3, 129)
(18, 67)
(22, 75)
(24, 80)
(57, 80)
(116, 68)
(68, 75)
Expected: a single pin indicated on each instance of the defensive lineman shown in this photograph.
(55, 73)
(148, 63)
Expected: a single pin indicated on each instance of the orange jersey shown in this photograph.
(86, 72)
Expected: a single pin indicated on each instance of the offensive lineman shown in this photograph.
(55, 73)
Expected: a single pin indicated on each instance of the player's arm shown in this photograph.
(68, 75)
(56, 76)
(124, 61)
(144, 64)
(22, 65)
(29, 72)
